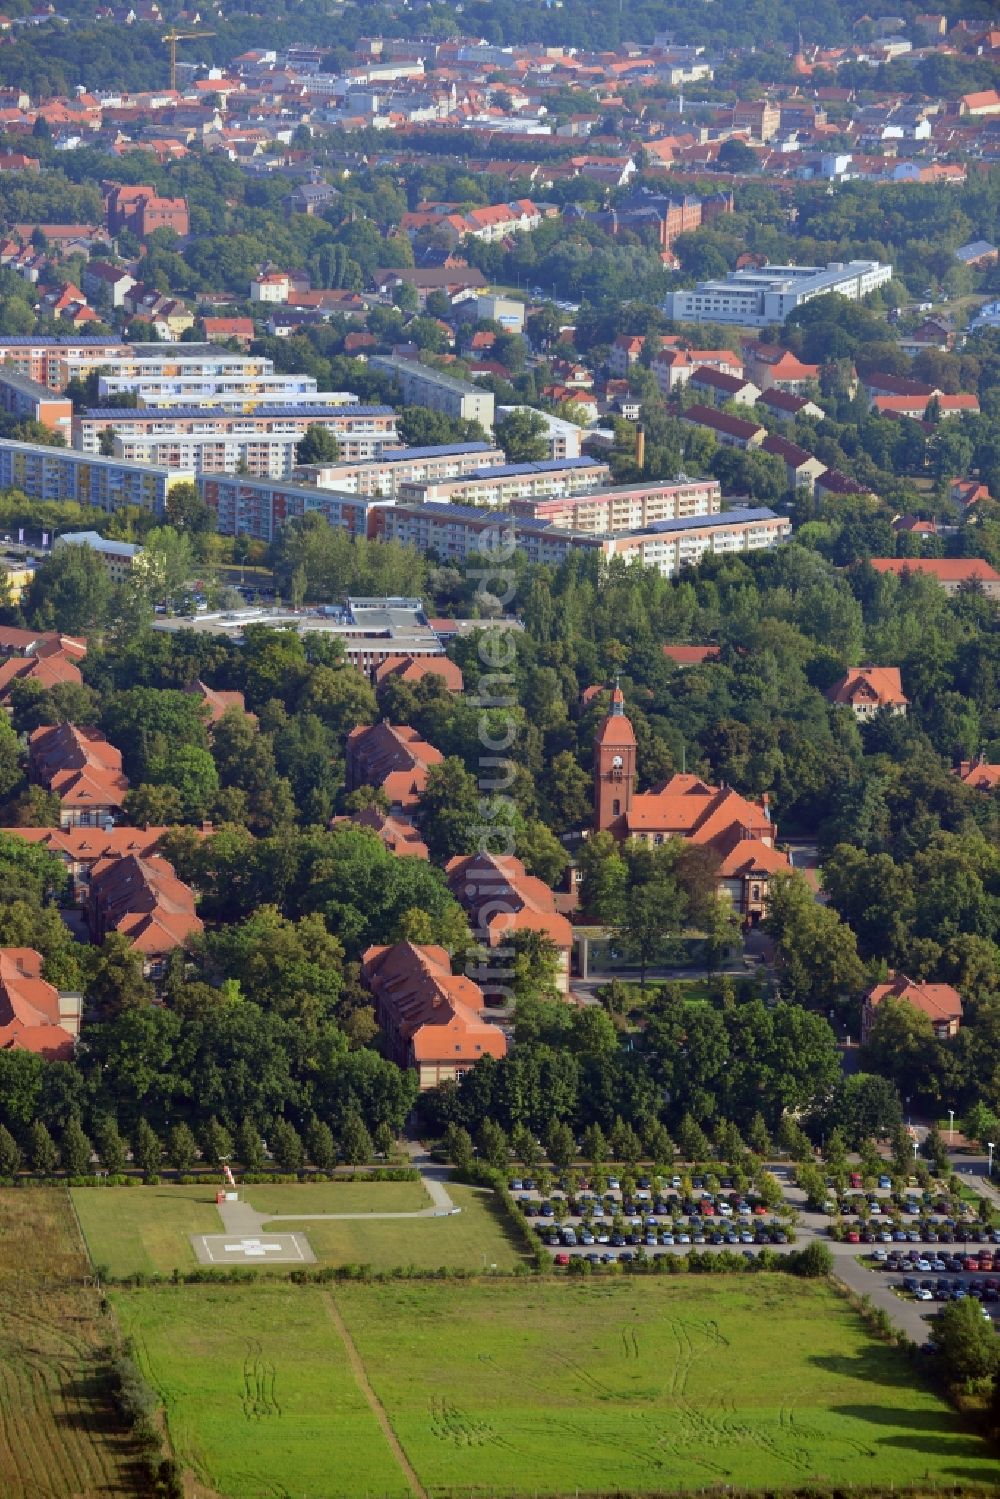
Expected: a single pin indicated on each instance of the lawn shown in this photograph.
(540, 1387)
(145, 1229)
(478, 1236)
(338, 1197)
(258, 1391)
(58, 1431)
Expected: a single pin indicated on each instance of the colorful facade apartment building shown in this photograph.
(41, 359)
(44, 473)
(382, 477)
(258, 507)
(624, 507)
(30, 400)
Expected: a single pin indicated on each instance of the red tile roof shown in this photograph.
(29, 1007)
(692, 655)
(501, 897)
(415, 668)
(144, 899)
(397, 833)
(945, 569)
(392, 756)
(939, 1002)
(869, 684)
(78, 764)
(434, 1013)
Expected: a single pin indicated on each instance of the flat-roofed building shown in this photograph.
(29, 400)
(624, 507)
(374, 426)
(755, 298)
(501, 484)
(259, 507)
(110, 484)
(423, 386)
(381, 477)
(41, 358)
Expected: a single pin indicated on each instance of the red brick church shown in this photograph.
(739, 831)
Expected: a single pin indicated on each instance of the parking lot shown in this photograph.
(657, 1217)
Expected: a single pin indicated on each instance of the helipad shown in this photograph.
(269, 1249)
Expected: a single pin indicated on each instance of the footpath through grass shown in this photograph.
(518, 1388)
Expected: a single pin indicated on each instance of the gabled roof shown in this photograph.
(501, 897)
(29, 1007)
(939, 1002)
(869, 684)
(435, 1011)
(415, 668)
(945, 569)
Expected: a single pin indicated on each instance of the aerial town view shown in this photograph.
(499, 750)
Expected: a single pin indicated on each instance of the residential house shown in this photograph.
(731, 431)
(979, 774)
(624, 353)
(501, 898)
(431, 1019)
(774, 368)
(687, 655)
(80, 766)
(952, 573)
(35, 1016)
(107, 284)
(939, 1002)
(868, 690)
(397, 833)
(720, 388)
(968, 492)
(785, 406)
(392, 756)
(82, 848)
(143, 899)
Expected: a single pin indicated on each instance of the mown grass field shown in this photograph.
(58, 1434)
(477, 1238)
(130, 1229)
(337, 1197)
(498, 1388)
(147, 1229)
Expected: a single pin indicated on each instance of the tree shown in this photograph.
(934, 1149)
(355, 1141)
(112, 1150)
(651, 921)
(70, 591)
(321, 1147)
(758, 1136)
(625, 1143)
(317, 445)
(10, 1153)
(75, 1149)
(522, 435)
(595, 1146)
(182, 1148)
(815, 1260)
(658, 1145)
(866, 1106)
(286, 1146)
(493, 1146)
(817, 955)
(216, 1142)
(560, 1145)
(385, 1139)
(42, 1153)
(966, 1342)
(147, 1152)
(249, 1146)
(458, 1144)
(186, 510)
(449, 809)
(525, 1147)
(692, 1140)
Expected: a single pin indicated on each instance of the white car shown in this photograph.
(923, 1294)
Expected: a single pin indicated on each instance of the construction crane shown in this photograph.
(172, 38)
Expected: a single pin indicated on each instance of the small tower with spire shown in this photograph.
(614, 766)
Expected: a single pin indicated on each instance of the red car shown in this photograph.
(854, 1237)
(562, 1259)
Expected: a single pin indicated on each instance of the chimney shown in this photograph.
(640, 448)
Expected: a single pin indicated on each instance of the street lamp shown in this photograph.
(989, 1168)
(916, 1147)
(951, 1125)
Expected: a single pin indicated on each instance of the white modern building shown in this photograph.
(756, 298)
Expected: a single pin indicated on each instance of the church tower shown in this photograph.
(614, 766)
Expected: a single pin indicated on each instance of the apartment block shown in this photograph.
(44, 473)
(165, 361)
(30, 400)
(258, 507)
(375, 425)
(624, 508)
(42, 359)
(510, 481)
(423, 386)
(382, 477)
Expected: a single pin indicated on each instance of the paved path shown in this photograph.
(244, 1221)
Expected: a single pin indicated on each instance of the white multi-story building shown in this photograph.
(423, 386)
(756, 298)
